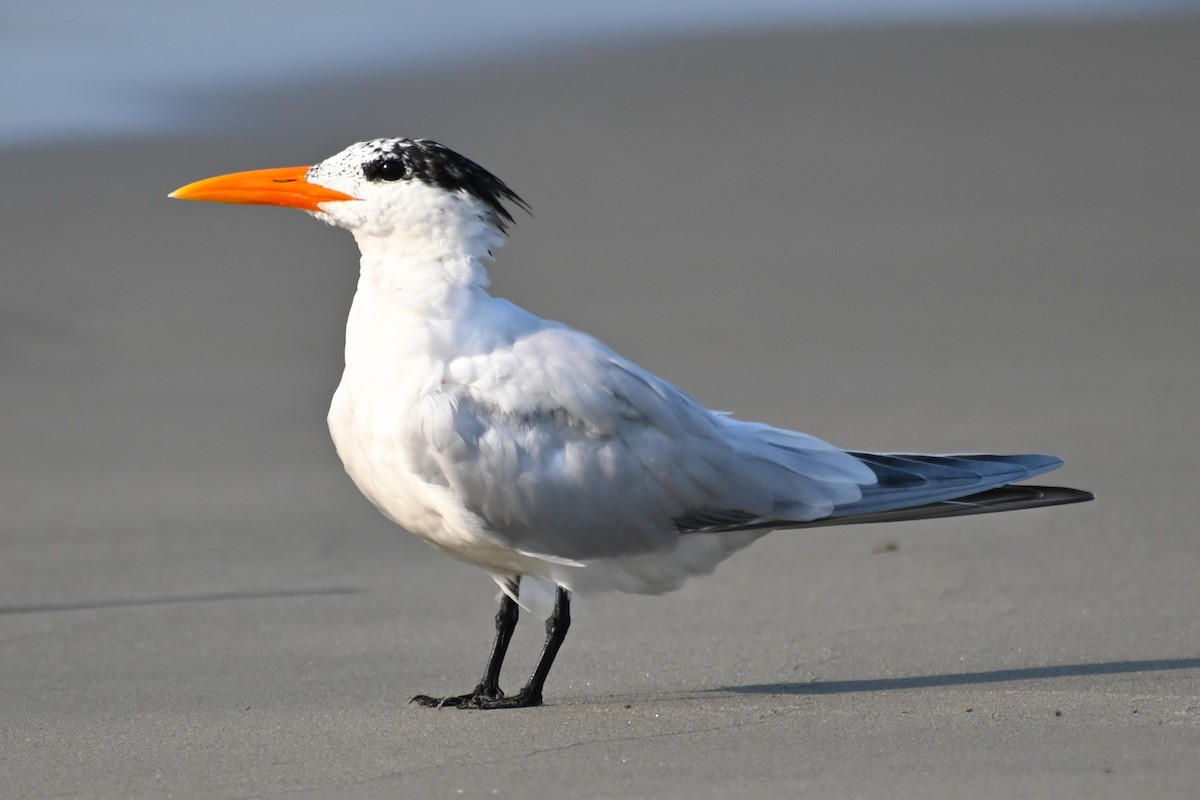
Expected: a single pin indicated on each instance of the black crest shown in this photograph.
(437, 165)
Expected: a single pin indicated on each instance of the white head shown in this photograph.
(405, 197)
(400, 181)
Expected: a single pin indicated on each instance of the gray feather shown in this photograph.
(1005, 498)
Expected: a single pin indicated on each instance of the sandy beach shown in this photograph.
(953, 238)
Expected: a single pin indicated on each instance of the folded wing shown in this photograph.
(564, 449)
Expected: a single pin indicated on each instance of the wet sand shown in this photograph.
(944, 239)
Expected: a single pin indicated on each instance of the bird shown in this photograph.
(534, 451)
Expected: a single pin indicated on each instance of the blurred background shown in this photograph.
(81, 70)
(912, 225)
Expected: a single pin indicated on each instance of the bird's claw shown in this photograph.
(459, 701)
(480, 700)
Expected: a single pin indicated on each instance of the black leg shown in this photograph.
(489, 686)
(556, 632)
(506, 623)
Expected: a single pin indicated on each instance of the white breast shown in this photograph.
(395, 361)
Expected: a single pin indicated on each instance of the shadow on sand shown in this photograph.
(968, 678)
(183, 598)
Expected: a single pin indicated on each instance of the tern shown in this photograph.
(534, 451)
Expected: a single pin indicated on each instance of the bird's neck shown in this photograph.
(416, 296)
(425, 275)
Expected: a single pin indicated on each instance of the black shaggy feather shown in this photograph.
(437, 165)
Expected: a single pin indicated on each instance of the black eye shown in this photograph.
(385, 169)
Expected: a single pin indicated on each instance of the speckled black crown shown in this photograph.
(437, 165)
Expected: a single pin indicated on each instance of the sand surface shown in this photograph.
(941, 239)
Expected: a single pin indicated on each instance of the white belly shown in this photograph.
(369, 445)
(375, 438)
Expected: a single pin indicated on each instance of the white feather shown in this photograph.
(526, 447)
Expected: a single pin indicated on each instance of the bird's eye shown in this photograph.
(385, 169)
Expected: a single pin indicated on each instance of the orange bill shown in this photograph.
(286, 186)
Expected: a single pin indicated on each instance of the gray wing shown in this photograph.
(992, 501)
(912, 486)
(564, 449)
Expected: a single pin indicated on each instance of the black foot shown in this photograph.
(480, 700)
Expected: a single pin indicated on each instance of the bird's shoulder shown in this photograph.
(541, 368)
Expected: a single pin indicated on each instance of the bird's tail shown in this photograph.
(904, 480)
(913, 486)
(1003, 498)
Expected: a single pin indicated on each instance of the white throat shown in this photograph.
(433, 256)
(422, 281)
